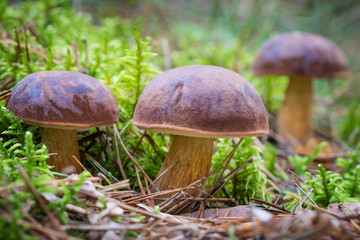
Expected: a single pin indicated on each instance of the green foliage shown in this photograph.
(113, 52)
(150, 155)
(13, 158)
(269, 156)
(326, 188)
(272, 89)
(49, 60)
(348, 165)
(3, 6)
(13, 129)
(32, 160)
(349, 128)
(69, 196)
(13, 138)
(351, 173)
(352, 185)
(301, 163)
(157, 209)
(20, 153)
(28, 157)
(136, 74)
(35, 158)
(232, 234)
(249, 182)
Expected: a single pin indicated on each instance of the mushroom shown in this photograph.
(196, 104)
(301, 56)
(62, 102)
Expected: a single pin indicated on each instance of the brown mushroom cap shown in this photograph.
(63, 99)
(201, 101)
(300, 54)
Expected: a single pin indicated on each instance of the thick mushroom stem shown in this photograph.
(294, 116)
(65, 144)
(188, 160)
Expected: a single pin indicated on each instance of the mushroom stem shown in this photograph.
(65, 144)
(192, 156)
(294, 116)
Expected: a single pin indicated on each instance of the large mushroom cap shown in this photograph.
(300, 54)
(201, 101)
(63, 99)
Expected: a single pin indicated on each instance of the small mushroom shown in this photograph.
(196, 104)
(301, 56)
(62, 102)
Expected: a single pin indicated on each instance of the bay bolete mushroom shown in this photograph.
(196, 104)
(62, 102)
(301, 56)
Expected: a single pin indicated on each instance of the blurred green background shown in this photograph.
(251, 21)
(228, 33)
(184, 32)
